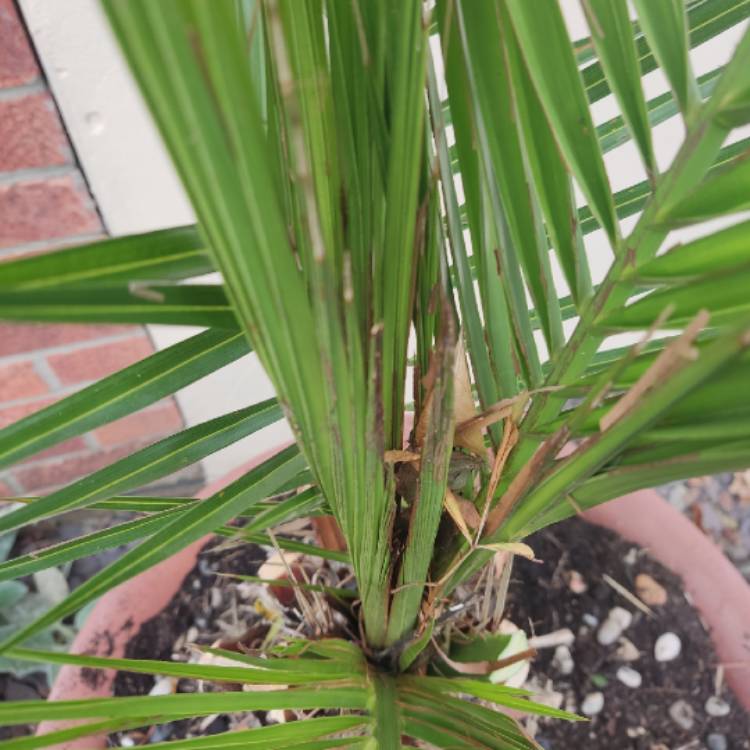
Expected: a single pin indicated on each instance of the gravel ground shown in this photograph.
(720, 506)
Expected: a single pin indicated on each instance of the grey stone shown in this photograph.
(682, 714)
(717, 742)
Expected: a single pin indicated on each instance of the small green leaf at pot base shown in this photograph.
(599, 680)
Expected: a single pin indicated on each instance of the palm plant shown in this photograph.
(383, 186)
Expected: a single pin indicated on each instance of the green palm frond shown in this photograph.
(387, 187)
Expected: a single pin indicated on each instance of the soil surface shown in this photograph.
(543, 599)
(194, 613)
(212, 608)
(566, 590)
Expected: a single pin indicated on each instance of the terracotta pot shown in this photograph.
(716, 589)
(118, 616)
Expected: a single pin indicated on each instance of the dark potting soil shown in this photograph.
(541, 600)
(191, 607)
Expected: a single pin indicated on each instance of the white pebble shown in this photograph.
(563, 660)
(591, 620)
(562, 637)
(127, 741)
(163, 686)
(277, 716)
(668, 647)
(629, 677)
(618, 620)
(592, 704)
(620, 616)
(717, 707)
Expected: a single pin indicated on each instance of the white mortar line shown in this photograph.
(37, 86)
(34, 174)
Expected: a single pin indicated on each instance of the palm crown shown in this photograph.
(382, 186)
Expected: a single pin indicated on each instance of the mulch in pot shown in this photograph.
(196, 612)
(575, 557)
(212, 608)
(544, 597)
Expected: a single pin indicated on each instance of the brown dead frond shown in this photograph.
(673, 357)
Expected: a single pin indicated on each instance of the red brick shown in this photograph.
(20, 380)
(11, 414)
(17, 61)
(45, 210)
(31, 134)
(44, 476)
(5, 491)
(145, 425)
(94, 362)
(16, 338)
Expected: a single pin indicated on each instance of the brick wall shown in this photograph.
(45, 205)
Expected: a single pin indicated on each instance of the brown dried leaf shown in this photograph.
(463, 513)
(464, 408)
(672, 358)
(400, 457)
